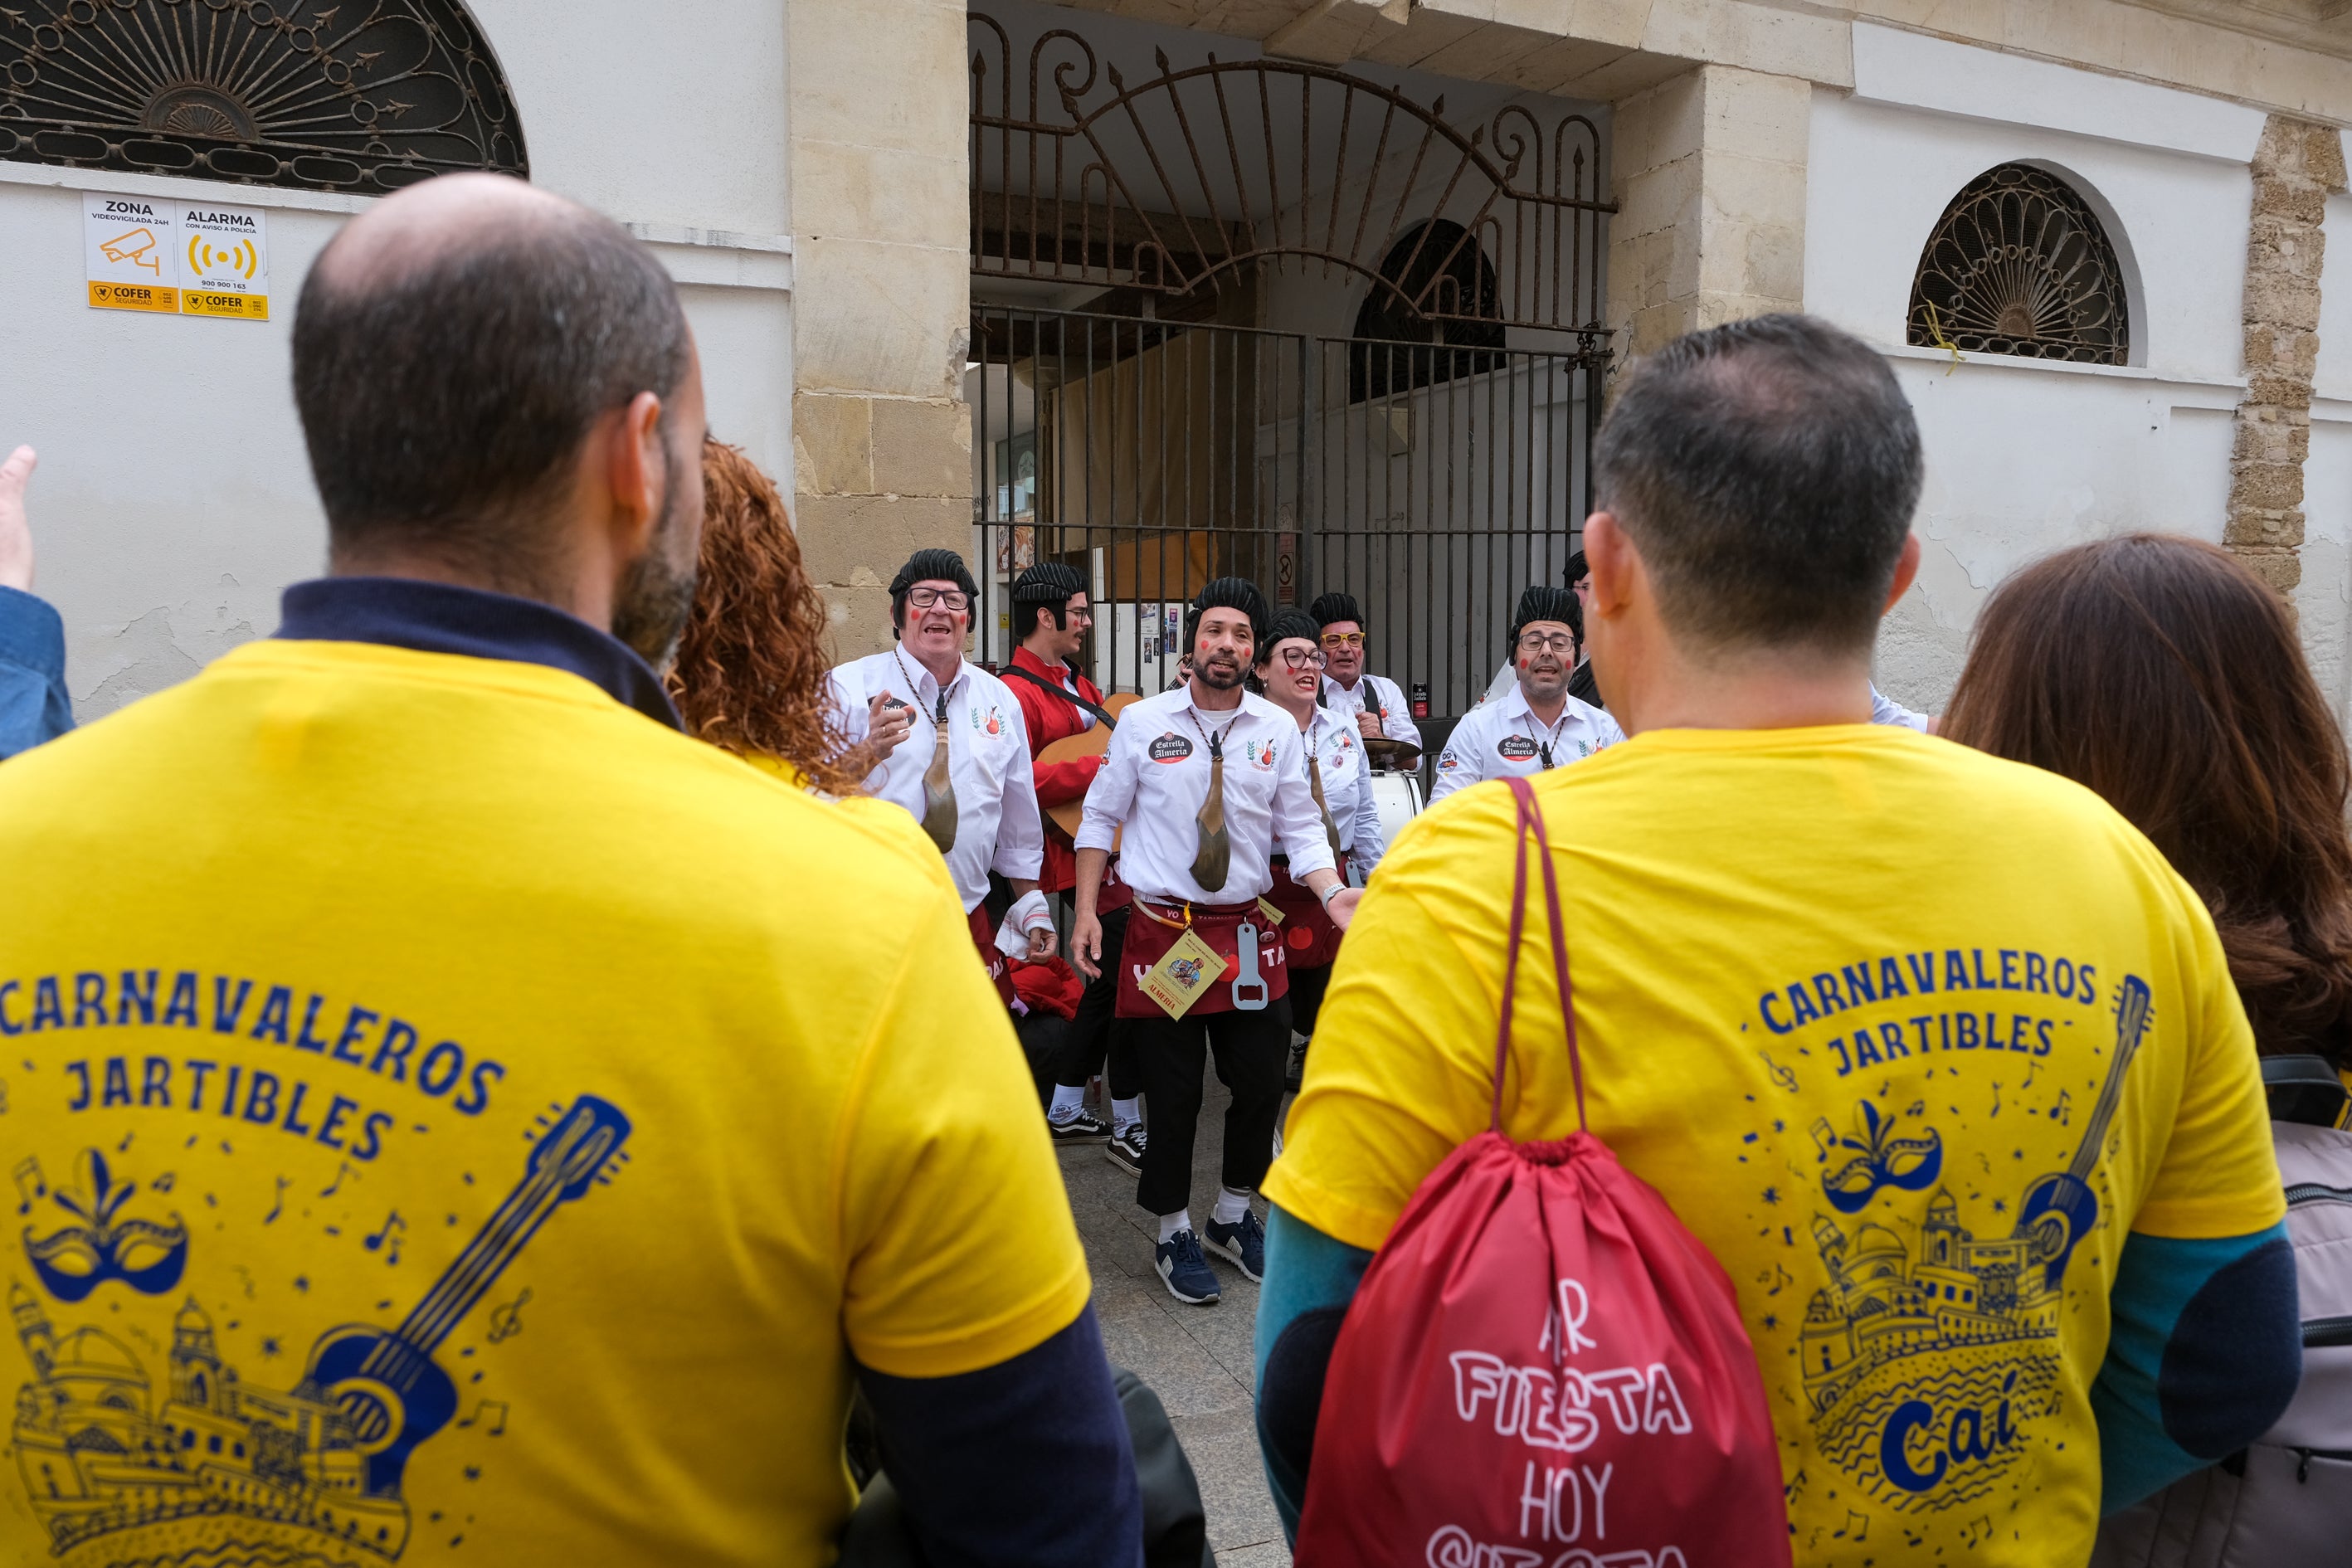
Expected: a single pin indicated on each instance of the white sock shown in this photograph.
(1069, 1099)
(1126, 1113)
(1172, 1225)
(1232, 1204)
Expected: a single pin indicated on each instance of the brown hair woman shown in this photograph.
(2164, 675)
(750, 670)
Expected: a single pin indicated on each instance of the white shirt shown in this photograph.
(1496, 740)
(998, 828)
(1348, 787)
(1396, 719)
(1156, 776)
(1885, 709)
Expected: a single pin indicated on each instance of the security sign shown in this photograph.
(175, 258)
(223, 261)
(129, 242)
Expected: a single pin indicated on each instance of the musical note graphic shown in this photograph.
(1996, 1097)
(30, 1187)
(2032, 1067)
(1856, 1526)
(342, 1170)
(1780, 1075)
(393, 1229)
(1825, 1140)
(1776, 1277)
(1916, 1107)
(279, 1205)
(2062, 1112)
(125, 1147)
(506, 1321)
(162, 1184)
(1976, 1531)
(496, 1409)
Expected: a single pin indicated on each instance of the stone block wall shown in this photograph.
(1709, 177)
(882, 297)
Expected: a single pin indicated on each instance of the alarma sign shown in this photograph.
(175, 258)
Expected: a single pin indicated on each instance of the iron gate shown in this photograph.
(1135, 415)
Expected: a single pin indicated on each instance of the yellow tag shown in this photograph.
(1183, 974)
(1272, 915)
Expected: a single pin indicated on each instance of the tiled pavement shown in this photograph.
(1197, 1358)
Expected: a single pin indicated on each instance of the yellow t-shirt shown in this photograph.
(454, 1114)
(1847, 997)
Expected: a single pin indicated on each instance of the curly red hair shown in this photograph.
(750, 670)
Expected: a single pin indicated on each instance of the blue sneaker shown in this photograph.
(1242, 1241)
(1185, 1271)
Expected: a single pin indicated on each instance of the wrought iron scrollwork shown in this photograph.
(353, 95)
(1177, 184)
(2019, 264)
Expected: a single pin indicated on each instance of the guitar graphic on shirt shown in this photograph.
(2060, 1209)
(384, 1382)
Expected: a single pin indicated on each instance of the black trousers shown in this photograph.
(1094, 1034)
(1306, 988)
(1249, 1049)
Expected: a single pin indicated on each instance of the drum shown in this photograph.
(1398, 797)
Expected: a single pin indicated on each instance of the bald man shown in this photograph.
(488, 1028)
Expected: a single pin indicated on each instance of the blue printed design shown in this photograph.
(1925, 1363)
(226, 1472)
(1882, 1161)
(75, 1261)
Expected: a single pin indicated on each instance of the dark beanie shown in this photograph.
(1228, 593)
(1285, 625)
(1047, 583)
(1542, 602)
(932, 566)
(1330, 608)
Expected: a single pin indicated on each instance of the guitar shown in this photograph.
(2059, 1210)
(384, 1382)
(1092, 742)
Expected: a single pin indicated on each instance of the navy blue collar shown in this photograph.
(441, 617)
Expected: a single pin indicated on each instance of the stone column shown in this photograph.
(881, 297)
(1708, 169)
(2296, 166)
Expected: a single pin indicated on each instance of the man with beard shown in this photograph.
(1371, 701)
(425, 915)
(1538, 725)
(967, 781)
(1208, 782)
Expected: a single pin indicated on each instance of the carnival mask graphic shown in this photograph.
(75, 1261)
(1882, 1160)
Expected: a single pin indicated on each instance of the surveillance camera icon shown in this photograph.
(136, 248)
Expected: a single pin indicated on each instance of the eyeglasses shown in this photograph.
(952, 598)
(1302, 658)
(1542, 642)
(1335, 641)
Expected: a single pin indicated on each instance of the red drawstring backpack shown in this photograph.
(1542, 1368)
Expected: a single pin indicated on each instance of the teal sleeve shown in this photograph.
(33, 706)
(1310, 1280)
(2203, 1353)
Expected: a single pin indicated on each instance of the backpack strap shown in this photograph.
(1523, 795)
(1064, 692)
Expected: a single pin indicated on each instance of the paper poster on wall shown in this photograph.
(175, 258)
(130, 245)
(223, 261)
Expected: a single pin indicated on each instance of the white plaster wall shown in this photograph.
(173, 499)
(2025, 458)
(2324, 600)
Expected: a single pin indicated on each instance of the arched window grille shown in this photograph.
(2019, 264)
(1437, 268)
(322, 94)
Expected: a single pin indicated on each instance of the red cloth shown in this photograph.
(1312, 939)
(1048, 719)
(1154, 928)
(1539, 1326)
(1052, 986)
(984, 937)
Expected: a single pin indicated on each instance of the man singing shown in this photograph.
(1050, 617)
(1538, 725)
(1209, 784)
(969, 787)
(1372, 701)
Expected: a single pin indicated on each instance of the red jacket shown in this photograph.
(1049, 718)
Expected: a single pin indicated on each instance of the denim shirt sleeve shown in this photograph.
(34, 707)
